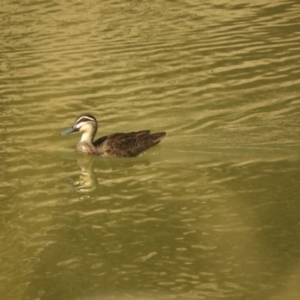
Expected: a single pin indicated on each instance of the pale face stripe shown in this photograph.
(84, 119)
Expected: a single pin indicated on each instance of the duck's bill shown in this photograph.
(68, 131)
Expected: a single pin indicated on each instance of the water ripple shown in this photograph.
(198, 216)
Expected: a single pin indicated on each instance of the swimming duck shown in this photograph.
(116, 144)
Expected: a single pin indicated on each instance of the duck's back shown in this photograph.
(127, 144)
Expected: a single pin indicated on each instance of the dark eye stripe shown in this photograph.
(83, 119)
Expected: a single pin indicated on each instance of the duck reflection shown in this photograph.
(87, 180)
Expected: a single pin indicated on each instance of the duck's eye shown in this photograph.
(84, 120)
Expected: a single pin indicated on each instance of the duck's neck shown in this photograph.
(87, 138)
(88, 135)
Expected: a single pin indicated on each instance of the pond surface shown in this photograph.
(213, 212)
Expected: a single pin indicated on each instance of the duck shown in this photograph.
(128, 144)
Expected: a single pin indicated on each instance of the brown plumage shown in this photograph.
(117, 144)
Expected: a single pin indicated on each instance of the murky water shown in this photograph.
(210, 213)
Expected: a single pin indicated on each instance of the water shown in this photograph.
(210, 213)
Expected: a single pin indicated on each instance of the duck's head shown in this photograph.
(87, 124)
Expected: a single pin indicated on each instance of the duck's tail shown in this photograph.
(157, 137)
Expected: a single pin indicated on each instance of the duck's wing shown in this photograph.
(127, 144)
(99, 141)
